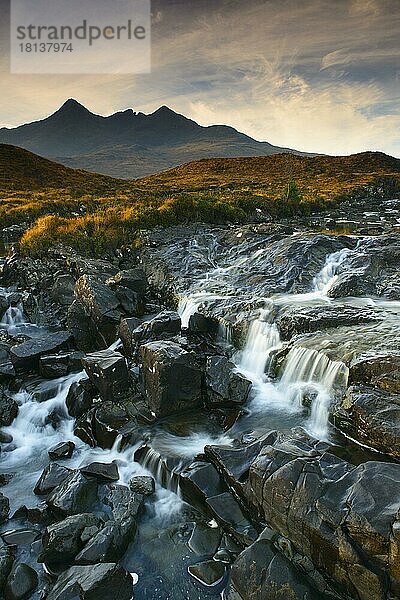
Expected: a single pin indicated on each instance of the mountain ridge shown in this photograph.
(146, 143)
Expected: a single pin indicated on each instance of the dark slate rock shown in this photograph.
(228, 512)
(164, 325)
(6, 563)
(204, 325)
(142, 484)
(75, 495)
(21, 582)
(209, 573)
(58, 365)
(102, 471)
(61, 450)
(108, 372)
(233, 463)
(80, 397)
(20, 537)
(8, 409)
(329, 510)
(372, 417)
(205, 540)
(63, 541)
(199, 482)
(5, 478)
(26, 356)
(260, 573)
(171, 377)
(4, 304)
(108, 422)
(52, 476)
(101, 306)
(126, 329)
(106, 581)
(306, 319)
(225, 387)
(111, 543)
(4, 508)
(133, 279)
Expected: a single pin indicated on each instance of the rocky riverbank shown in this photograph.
(217, 412)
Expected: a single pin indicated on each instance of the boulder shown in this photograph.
(103, 472)
(260, 573)
(228, 513)
(108, 421)
(61, 450)
(64, 540)
(199, 482)
(111, 543)
(209, 572)
(205, 540)
(4, 508)
(25, 356)
(21, 582)
(108, 372)
(54, 366)
(370, 416)
(171, 378)
(75, 495)
(339, 516)
(83, 329)
(203, 325)
(226, 388)
(127, 327)
(52, 476)
(142, 484)
(4, 304)
(8, 409)
(381, 370)
(80, 397)
(6, 563)
(107, 581)
(234, 462)
(132, 279)
(101, 305)
(165, 325)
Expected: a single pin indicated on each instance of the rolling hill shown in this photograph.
(128, 144)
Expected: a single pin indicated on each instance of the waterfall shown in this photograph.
(309, 371)
(262, 338)
(12, 318)
(164, 474)
(325, 279)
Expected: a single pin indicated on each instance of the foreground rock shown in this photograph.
(372, 417)
(171, 377)
(330, 510)
(260, 573)
(25, 356)
(106, 581)
(108, 372)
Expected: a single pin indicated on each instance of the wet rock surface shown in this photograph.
(277, 511)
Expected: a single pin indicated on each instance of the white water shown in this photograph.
(325, 279)
(262, 338)
(306, 371)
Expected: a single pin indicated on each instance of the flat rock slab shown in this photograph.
(101, 471)
(107, 581)
(26, 356)
(209, 573)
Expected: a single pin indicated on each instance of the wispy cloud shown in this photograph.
(315, 75)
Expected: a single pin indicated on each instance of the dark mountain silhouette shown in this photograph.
(129, 144)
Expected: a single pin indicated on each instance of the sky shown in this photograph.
(315, 75)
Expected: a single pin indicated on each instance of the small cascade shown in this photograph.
(325, 279)
(12, 318)
(262, 338)
(309, 372)
(166, 475)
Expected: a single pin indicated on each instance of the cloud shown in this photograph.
(315, 75)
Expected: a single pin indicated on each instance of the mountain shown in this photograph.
(129, 144)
